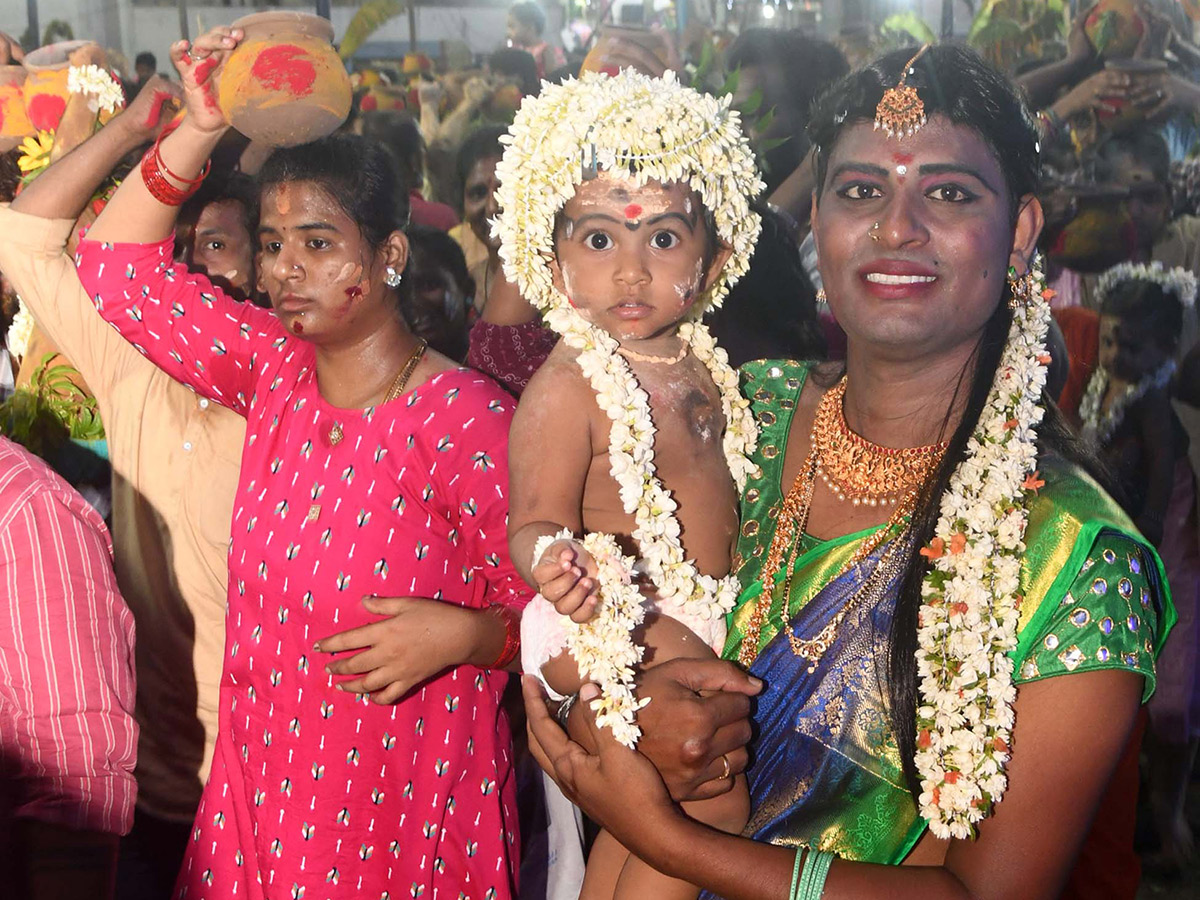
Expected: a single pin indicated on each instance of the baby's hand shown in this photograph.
(566, 576)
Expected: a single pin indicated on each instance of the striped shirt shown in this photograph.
(67, 735)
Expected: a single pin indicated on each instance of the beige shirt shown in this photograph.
(175, 460)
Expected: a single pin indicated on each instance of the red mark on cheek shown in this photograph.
(633, 211)
(285, 67)
(156, 107)
(46, 111)
(354, 292)
(297, 328)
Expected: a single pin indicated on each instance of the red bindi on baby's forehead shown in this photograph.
(633, 211)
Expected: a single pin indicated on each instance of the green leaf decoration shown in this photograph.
(366, 21)
(763, 125)
(911, 24)
(731, 83)
(752, 103)
(1106, 31)
(51, 408)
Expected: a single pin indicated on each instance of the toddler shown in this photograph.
(624, 216)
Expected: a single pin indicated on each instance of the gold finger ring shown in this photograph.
(725, 762)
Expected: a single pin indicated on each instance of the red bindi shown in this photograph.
(633, 211)
(902, 159)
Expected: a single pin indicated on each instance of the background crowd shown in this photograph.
(1116, 87)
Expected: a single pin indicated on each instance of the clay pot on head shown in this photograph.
(45, 87)
(284, 84)
(1114, 27)
(14, 122)
(618, 47)
(1099, 235)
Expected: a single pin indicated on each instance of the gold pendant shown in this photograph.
(335, 434)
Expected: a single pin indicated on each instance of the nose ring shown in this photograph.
(874, 232)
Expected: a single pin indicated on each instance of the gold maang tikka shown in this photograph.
(900, 112)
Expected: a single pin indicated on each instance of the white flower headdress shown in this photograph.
(654, 129)
(1178, 280)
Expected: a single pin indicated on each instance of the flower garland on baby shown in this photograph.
(655, 129)
(968, 620)
(1097, 429)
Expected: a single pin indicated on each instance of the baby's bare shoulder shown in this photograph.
(558, 390)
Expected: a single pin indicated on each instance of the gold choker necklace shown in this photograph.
(866, 474)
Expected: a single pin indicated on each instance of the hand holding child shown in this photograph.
(566, 575)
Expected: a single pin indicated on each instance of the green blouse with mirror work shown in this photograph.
(1095, 594)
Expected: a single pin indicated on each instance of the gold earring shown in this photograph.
(873, 231)
(1021, 288)
(821, 298)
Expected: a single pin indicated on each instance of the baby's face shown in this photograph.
(633, 259)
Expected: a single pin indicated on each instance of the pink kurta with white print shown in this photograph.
(314, 792)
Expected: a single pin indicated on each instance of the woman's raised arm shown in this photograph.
(135, 215)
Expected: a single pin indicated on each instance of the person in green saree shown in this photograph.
(953, 622)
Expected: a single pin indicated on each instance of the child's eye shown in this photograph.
(598, 240)
(664, 240)
(952, 193)
(859, 190)
(318, 243)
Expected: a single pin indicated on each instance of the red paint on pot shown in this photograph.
(285, 67)
(46, 111)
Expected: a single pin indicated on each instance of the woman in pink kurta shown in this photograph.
(317, 792)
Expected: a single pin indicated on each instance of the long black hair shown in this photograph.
(957, 84)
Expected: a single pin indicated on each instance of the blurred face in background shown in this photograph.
(1149, 201)
(520, 34)
(479, 199)
(220, 246)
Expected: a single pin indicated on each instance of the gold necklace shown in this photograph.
(397, 388)
(790, 525)
(660, 360)
(857, 470)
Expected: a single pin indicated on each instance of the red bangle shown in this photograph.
(163, 165)
(512, 636)
(156, 182)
